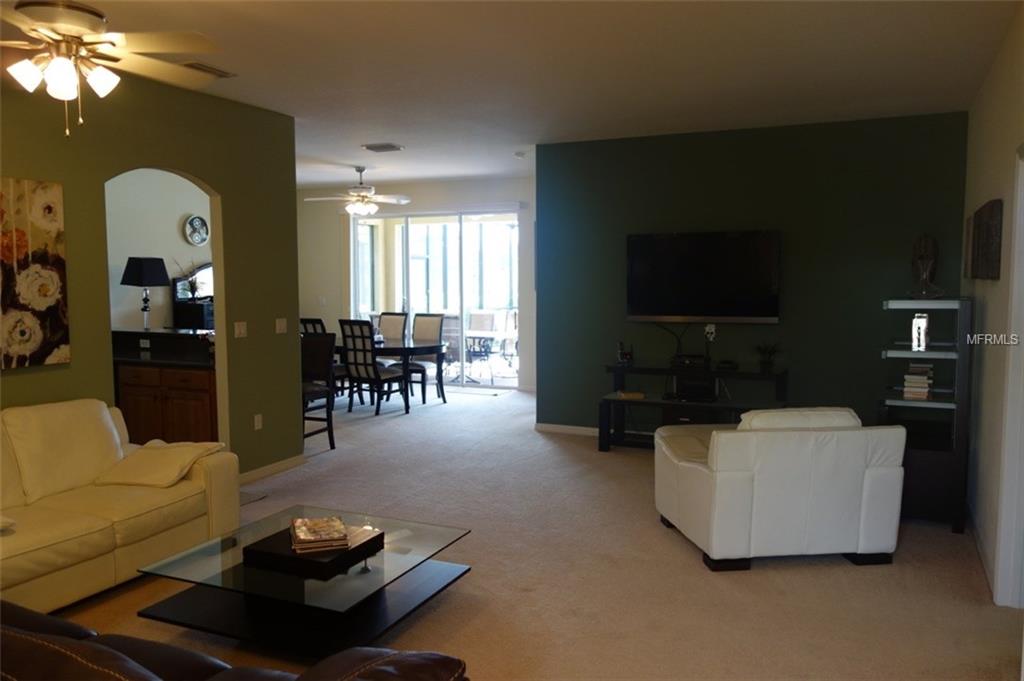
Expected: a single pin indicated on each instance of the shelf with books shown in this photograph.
(931, 397)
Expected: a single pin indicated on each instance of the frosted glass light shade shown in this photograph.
(28, 75)
(61, 78)
(102, 80)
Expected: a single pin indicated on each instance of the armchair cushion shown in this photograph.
(62, 445)
(157, 464)
(804, 417)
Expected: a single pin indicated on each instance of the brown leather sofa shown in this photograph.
(38, 647)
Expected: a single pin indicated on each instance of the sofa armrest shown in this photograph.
(381, 664)
(13, 615)
(219, 474)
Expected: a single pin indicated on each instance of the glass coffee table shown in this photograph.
(301, 615)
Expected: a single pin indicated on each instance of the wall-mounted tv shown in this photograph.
(704, 277)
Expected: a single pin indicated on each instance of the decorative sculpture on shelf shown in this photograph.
(925, 262)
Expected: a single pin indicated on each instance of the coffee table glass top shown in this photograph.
(218, 562)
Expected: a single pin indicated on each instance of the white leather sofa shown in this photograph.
(72, 537)
(782, 482)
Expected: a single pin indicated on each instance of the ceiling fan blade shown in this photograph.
(326, 198)
(156, 42)
(21, 45)
(156, 69)
(16, 19)
(396, 199)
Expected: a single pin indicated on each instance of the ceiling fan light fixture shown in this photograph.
(28, 75)
(101, 79)
(61, 78)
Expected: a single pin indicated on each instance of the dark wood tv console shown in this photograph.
(612, 407)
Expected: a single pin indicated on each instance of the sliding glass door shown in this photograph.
(464, 266)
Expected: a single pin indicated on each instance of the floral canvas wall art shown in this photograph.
(34, 287)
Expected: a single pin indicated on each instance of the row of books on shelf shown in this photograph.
(917, 382)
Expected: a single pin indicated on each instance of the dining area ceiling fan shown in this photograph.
(362, 200)
(68, 43)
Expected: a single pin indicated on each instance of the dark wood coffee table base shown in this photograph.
(300, 629)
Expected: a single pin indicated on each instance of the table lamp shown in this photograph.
(145, 272)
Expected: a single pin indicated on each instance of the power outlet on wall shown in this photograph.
(241, 329)
(280, 325)
(257, 422)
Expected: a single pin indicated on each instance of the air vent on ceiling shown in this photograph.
(382, 147)
(207, 68)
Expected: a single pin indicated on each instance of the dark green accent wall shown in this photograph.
(244, 154)
(849, 198)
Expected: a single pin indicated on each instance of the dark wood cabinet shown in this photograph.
(172, 404)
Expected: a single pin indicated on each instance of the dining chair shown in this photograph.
(318, 381)
(427, 328)
(392, 325)
(317, 325)
(363, 368)
(480, 347)
(312, 325)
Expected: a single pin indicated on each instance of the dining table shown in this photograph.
(405, 349)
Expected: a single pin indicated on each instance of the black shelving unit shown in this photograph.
(938, 428)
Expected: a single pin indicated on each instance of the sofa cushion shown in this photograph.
(805, 417)
(61, 445)
(157, 464)
(11, 492)
(136, 512)
(46, 540)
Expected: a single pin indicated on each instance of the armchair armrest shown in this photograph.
(219, 474)
(379, 664)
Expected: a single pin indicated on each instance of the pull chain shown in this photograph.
(67, 130)
(78, 77)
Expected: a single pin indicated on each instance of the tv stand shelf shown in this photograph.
(612, 407)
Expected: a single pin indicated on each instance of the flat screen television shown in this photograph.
(704, 277)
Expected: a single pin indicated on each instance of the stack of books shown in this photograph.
(917, 382)
(319, 534)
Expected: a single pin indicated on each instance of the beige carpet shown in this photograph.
(574, 577)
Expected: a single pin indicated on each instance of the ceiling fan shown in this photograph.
(71, 45)
(362, 199)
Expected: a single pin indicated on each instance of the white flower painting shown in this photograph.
(33, 288)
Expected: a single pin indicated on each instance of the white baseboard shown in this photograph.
(271, 469)
(565, 430)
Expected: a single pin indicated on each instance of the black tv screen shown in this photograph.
(703, 276)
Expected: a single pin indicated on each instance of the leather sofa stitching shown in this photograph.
(68, 653)
(459, 672)
(356, 672)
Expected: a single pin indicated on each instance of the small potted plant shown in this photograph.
(766, 353)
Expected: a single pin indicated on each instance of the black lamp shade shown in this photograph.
(145, 272)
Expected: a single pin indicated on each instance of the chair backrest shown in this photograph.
(451, 331)
(481, 321)
(812, 490)
(360, 353)
(312, 325)
(427, 327)
(318, 357)
(393, 324)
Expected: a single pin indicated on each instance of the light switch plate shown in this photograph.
(281, 325)
(323, 301)
(257, 422)
(143, 342)
(241, 329)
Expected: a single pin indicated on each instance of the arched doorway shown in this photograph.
(159, 217)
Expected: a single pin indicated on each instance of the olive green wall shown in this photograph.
(849, 198)
(243, 154)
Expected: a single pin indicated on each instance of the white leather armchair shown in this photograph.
(783, 482)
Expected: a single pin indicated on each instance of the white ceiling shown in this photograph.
(464, 85)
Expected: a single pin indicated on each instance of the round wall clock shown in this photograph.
(197, 231)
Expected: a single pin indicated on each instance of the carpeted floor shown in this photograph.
(574, 577)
